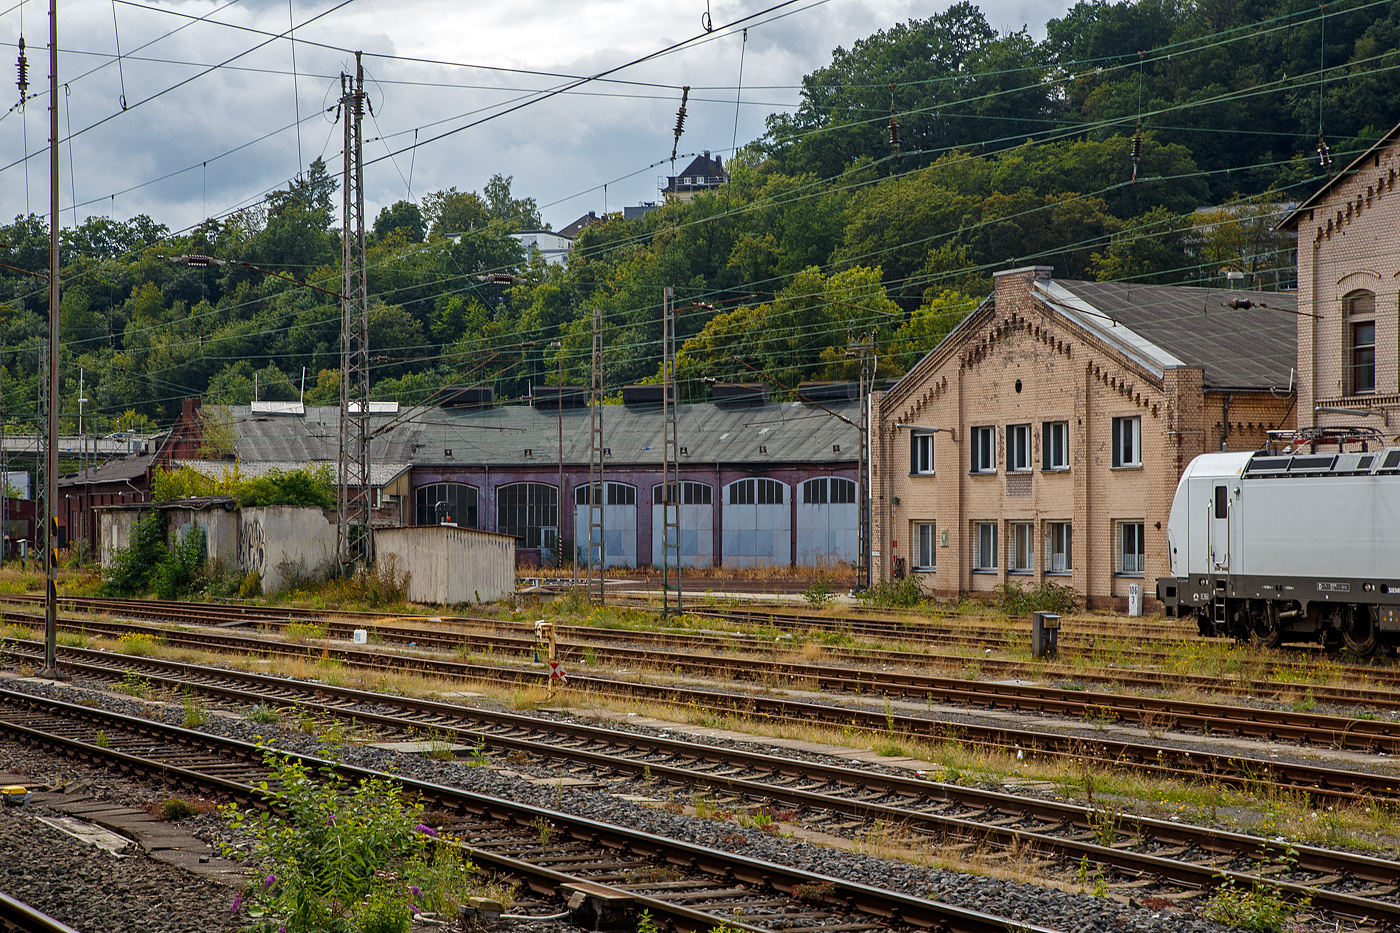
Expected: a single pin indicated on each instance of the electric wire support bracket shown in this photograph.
(596, 493)
(354, 541)
(670, 463)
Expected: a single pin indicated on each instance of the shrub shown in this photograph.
(323, 847)
(304, 486)
(176, 574)
(898, 594)
(251, 585)
(133, 565)
(1259, 908)
(1013, 599)
(818, 594)
(176, 808)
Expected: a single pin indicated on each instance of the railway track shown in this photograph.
(1378, 685)
(1246, 721)
(18, 917)
(1319, 783)
(713, 886)
(822, 794)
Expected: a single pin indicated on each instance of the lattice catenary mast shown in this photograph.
(670, 462)
(354, 541)
(596, 493)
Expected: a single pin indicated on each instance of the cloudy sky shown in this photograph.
(216, 114)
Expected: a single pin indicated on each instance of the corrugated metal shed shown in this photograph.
(788, 432)
(1254, 348)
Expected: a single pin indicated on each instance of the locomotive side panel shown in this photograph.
(1342, 527)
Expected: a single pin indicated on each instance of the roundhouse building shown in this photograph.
(761, 482)
(1042, 440)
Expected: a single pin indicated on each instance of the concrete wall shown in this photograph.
(1346, 242)
(221, 533)
(115, 532)
(449, 565)
(286, 543)
(1020, 364)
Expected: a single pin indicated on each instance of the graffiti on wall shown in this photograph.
(255, 546)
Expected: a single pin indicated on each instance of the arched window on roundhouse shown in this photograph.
(445, 502)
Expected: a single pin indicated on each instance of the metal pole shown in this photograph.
(558, 347)
(670, 461)
(51, 457)
(597, 495)
(353, 497)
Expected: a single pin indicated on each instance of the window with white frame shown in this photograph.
(984, 547)
(984, 450)
(921, 453)
(1018, 448)
(1020, 548)
(1127, 442)
(925, 547)
(1359, 315)
(1131, 559)
(1059, 547)
(1054, 445)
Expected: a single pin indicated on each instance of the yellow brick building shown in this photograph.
(1349, 293)
(1043, 439)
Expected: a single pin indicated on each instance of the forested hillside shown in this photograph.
(1011, 151)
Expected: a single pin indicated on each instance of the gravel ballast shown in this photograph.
(160, 898)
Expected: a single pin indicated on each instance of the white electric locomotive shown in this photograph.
(1300, 546)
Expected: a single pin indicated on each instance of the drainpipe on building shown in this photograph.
(1225, 421)
(717, 543)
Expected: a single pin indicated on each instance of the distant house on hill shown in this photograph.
(702, 174)
(553, 245)
(575, 228)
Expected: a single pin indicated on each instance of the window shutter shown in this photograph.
(1117, 442)
(976, 548)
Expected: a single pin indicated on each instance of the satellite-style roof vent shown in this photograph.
(828, 391)
(642, 396)
(466, 396)
(740, 394)
(553, 398)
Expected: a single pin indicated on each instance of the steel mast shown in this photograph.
(355, 547)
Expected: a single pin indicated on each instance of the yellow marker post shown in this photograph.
(547, 647)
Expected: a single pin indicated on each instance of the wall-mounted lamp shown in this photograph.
(924, 429)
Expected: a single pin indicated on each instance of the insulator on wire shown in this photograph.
(23, 67)
(1136, 151)
(893, 128)
(1324, 154)
(680, 120)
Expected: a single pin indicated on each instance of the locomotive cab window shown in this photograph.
(1222, 502)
